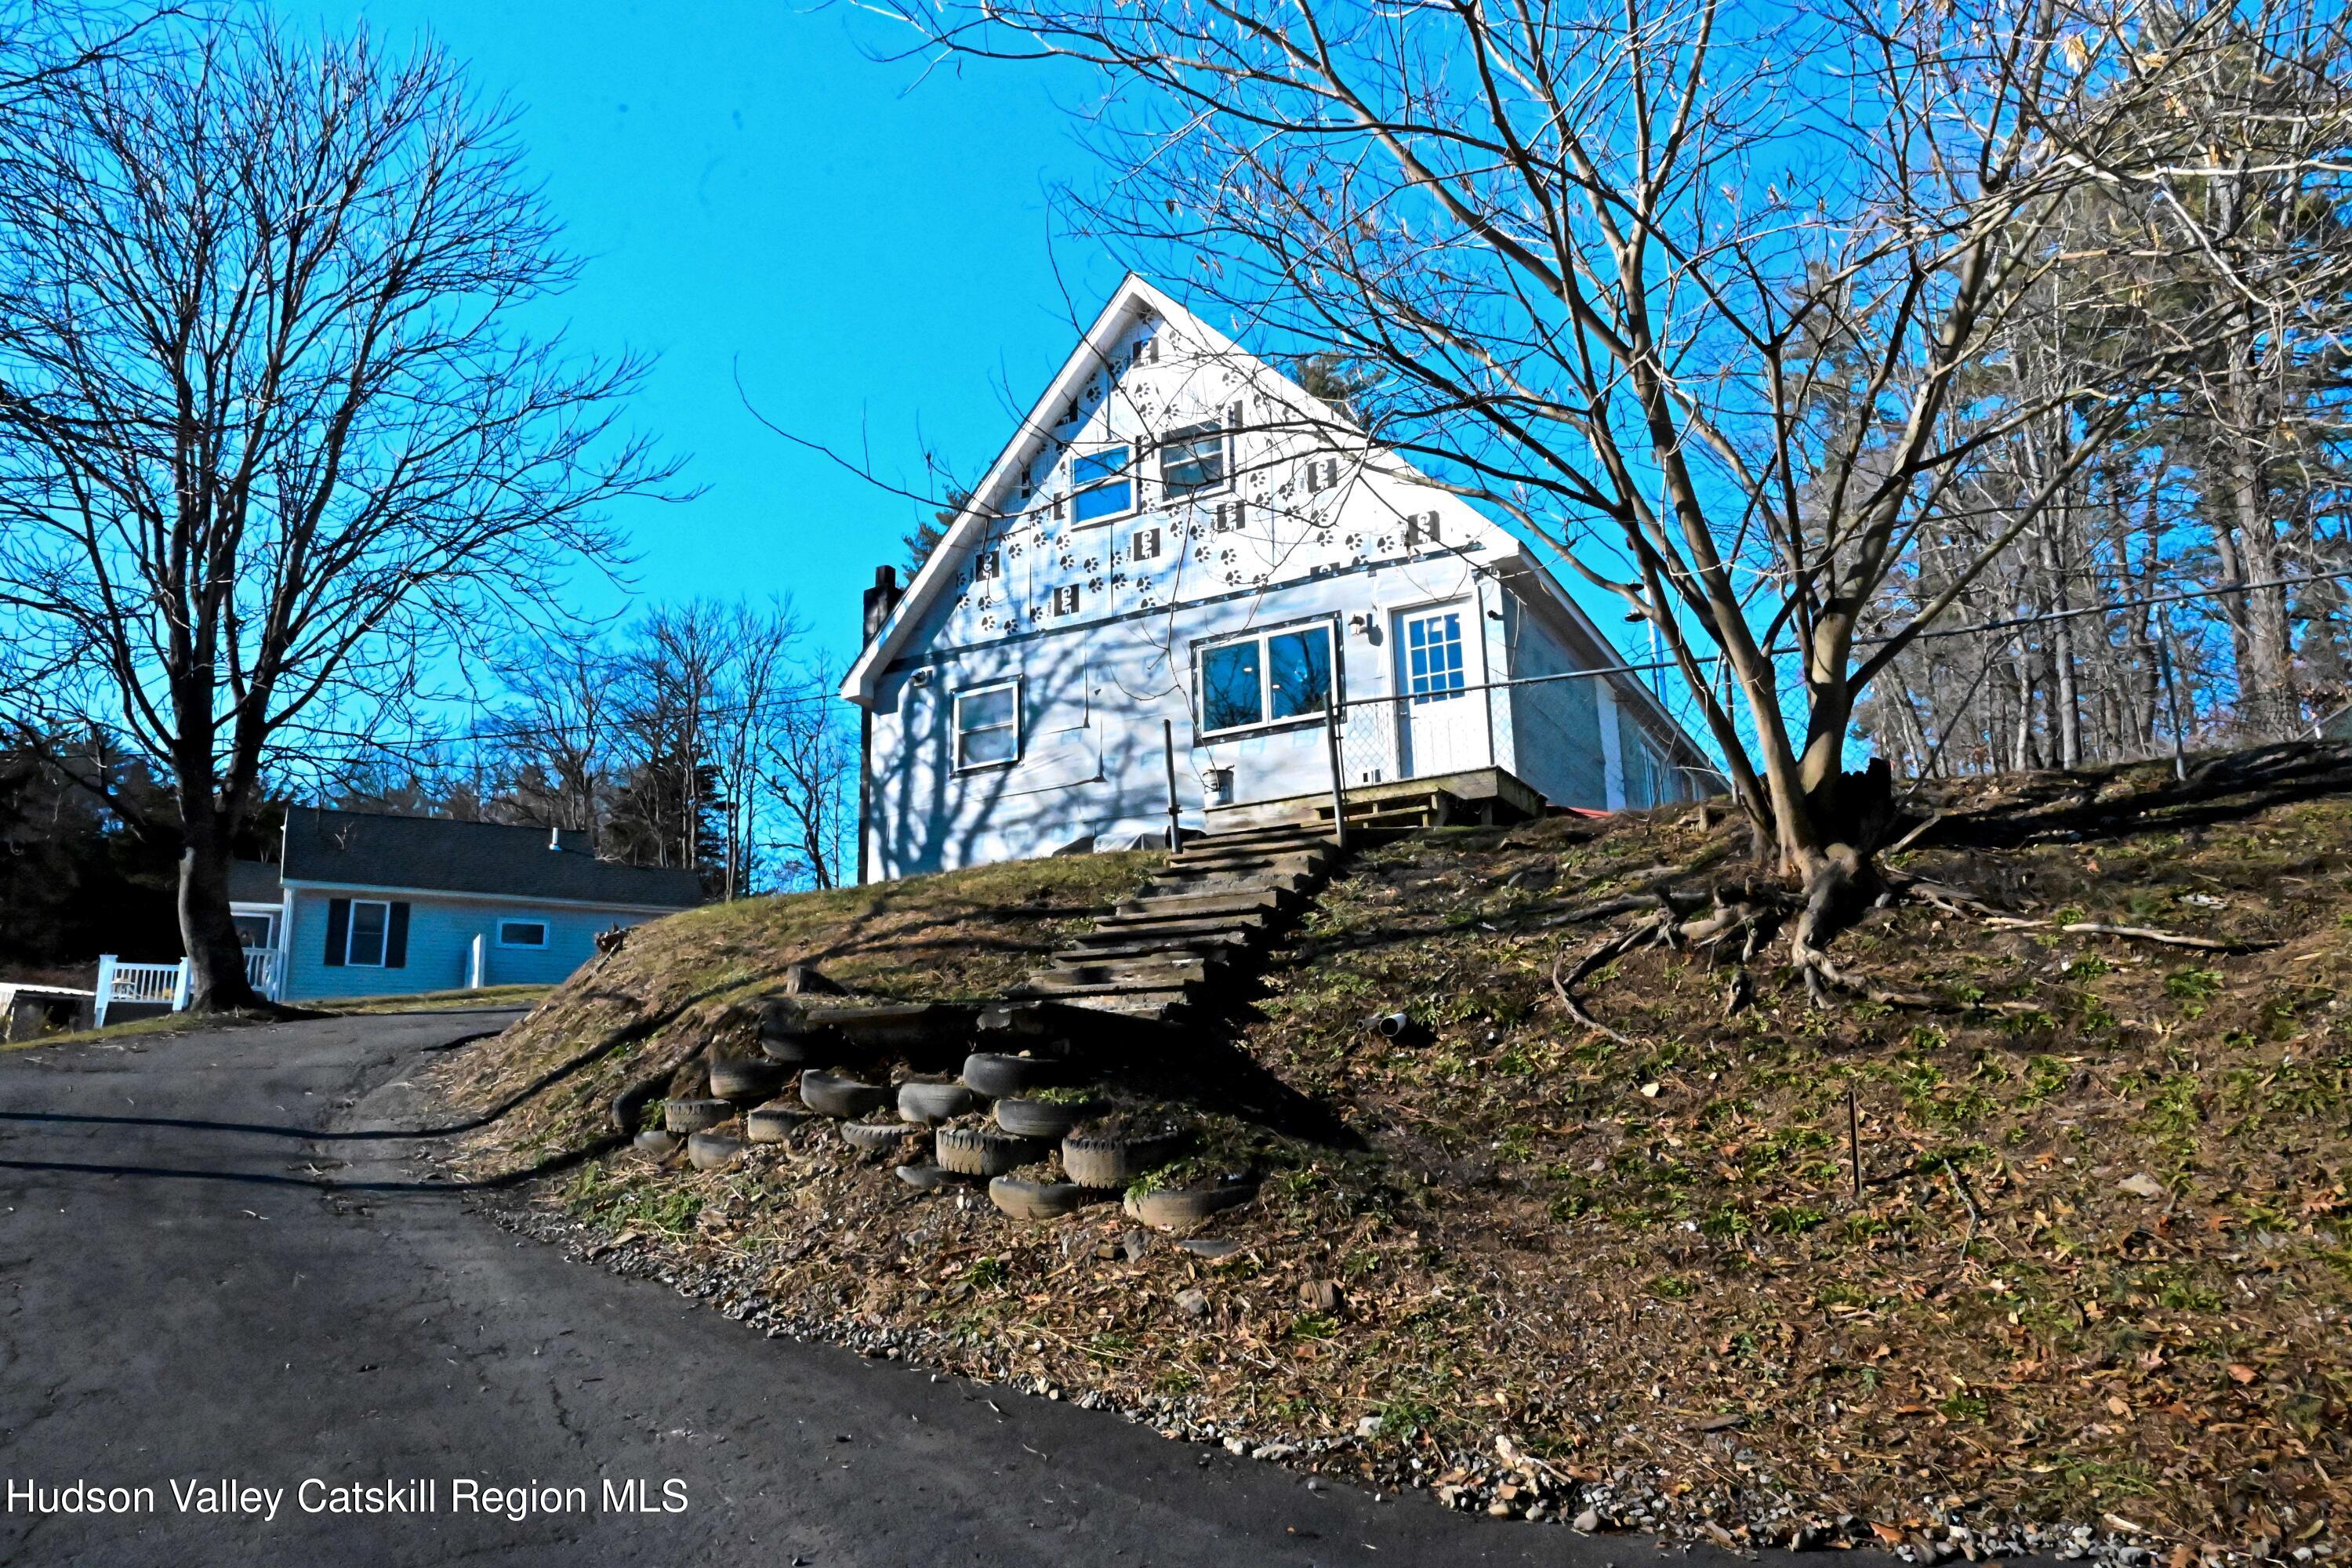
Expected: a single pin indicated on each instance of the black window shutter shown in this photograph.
(339, 931)
(396, 942)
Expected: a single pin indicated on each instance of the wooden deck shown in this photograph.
(1479, 794)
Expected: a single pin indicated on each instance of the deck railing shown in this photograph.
(166, 984)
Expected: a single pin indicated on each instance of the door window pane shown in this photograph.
(1300, 666)
(254, 930)
(368, 922)
(1230, 690)
(1433, 648)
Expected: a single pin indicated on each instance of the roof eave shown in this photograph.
(865, 676)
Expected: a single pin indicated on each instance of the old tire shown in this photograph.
(656, 1143)
(993, 1076)
(837, 1094)
(798, 1049)
(1175, 1210)
(1039, 1118)
(926, 1102)
(713, 1151)
(877, 1137)
(982, 1151)
(1037, 1200)
(746, 1079)
(773, 1122)
(684, 1118)
(924, 1178)
(1096, 1161)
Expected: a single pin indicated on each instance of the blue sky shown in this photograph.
(873, 247)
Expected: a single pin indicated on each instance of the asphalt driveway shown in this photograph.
(210, 1274)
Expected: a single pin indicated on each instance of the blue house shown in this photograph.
(366, 905)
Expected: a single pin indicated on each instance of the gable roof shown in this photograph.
(435, 855)
(1132, 296)
(1135, 297)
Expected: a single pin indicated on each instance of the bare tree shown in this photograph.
(275, 443)
(1692, 292)
(811, 760)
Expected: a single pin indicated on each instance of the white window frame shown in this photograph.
(1203, 430)
(1262, 636)
(351, 933)
(546, 935)
(956, 731)
(251, 913)
(1130, 475)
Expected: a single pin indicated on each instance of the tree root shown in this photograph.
(2135, 933)
(1566, 988)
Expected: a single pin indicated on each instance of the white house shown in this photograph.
(1181, 545)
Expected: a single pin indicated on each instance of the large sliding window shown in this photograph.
(1263, 678)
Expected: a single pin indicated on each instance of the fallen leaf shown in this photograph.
(2239, 1372)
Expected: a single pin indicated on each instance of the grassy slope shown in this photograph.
(1645, 1261)
(957, 935)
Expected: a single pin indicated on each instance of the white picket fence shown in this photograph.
(167, 984)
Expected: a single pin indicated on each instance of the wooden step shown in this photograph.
(1071, 990)
(1306, 853)
(1218, 945)
(1175, 927)
(1306, 866)
(1111, 964)
(1306, 833)
(1228, 882)
(1143, 1007)
(1198, 904)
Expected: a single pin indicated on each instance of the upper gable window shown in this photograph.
(1195, 461)
(1102, 483)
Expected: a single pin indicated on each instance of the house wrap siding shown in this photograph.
(441, 931)
(1101, 620)
(1556, 725)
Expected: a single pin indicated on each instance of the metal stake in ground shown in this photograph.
(1175, 829)
(1854, 1137)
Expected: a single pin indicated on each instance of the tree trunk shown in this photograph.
(216, 980)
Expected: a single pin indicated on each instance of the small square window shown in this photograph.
(1104, 484)
(1192, 461)
(988, 726)
(522, 934)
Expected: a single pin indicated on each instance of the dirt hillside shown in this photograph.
(2091, 1294)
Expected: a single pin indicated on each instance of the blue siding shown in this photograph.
(441, 931)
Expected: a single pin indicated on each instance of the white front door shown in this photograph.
(1440, 728)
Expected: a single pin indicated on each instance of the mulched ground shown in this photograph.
(2091, 1297)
